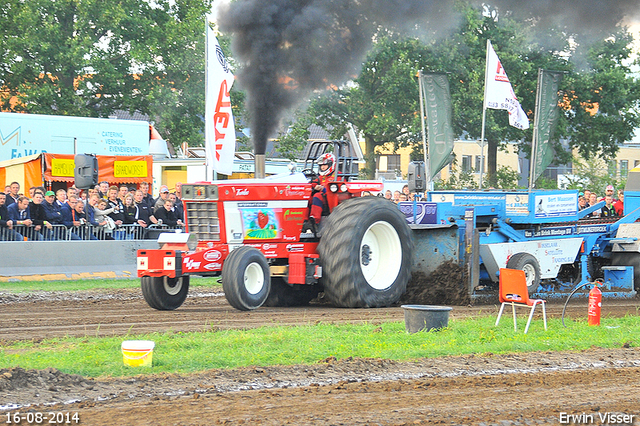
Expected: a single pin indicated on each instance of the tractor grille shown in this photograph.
(202, 218)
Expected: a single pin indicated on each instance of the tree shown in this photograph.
(383, 101)
(600, 95)
(90, 58)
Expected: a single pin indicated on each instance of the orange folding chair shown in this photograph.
(513, 291)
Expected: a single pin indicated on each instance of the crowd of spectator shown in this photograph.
(613, 207)
(399, 196)
(104, 212)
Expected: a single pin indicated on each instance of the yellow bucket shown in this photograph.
(137, 353)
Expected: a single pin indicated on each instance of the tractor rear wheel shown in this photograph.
(628, 259)
(164, 293)
(246, 279)
(283, 295)
(527, 263)
(366, 253)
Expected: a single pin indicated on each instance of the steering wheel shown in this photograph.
(310, 174)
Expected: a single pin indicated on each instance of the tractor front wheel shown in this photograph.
(366, 253)
(164, 293)
(246, 279)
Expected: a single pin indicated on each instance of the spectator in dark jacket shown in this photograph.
(39, 216)
(68, 216)
(54, 215)
(118, 208)
(177, 206)
(147, 198)
(82, 228)
(608, 210)
(167, 215)
(20, 214)
(130, 210)
(89, 209)
(7, 233)
(13, 194)
(145, 214)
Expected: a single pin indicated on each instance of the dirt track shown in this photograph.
(458, 390)
(98, 313)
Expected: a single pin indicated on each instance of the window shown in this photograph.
(478, 163)
(635, 163)
(388, 163)
(466, 163)
(612, 168)
(624, 168)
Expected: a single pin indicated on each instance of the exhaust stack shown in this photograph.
(259, 166)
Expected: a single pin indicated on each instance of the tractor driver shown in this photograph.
(326, 167)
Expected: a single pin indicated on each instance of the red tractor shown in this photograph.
(257, 235)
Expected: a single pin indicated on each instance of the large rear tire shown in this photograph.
(628, 259)
(246, 279)
(164, 293)
(283, 295)
(366, 253)
(527, 263)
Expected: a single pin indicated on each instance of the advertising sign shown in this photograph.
(26, 134)
(556, 205)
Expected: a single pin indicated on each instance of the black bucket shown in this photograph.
(425, 317)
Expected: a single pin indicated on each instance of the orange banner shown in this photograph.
(112, 169)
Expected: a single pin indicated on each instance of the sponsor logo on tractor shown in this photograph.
(212, 256)
(213, 266)
(191, 264)
(241, 191)
(295, 247)
(293, 214)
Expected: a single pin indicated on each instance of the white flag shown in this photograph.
(498, 93)
(220, 133)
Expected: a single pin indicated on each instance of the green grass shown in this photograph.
(89, 284)
(306, 344)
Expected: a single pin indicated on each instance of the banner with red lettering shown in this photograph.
(220, 134)
(498, 93)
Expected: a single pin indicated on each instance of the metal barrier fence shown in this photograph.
(84, 232)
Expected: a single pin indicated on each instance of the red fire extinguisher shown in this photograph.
(595, 304)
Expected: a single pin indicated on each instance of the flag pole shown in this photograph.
(425, 146)
(534, 141)
(207, 160)
(484, 111)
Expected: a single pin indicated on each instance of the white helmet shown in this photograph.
(328, 159)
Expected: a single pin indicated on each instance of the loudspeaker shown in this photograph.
(85, 172)
(416, 177)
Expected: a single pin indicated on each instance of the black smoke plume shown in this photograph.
(289, 48)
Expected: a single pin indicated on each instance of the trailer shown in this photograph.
(258, 235)
(541, 232)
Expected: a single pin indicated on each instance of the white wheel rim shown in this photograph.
(172, 290)
(380, 255)
(253, 278)
(530, 274)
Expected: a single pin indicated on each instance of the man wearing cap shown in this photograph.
(608, 191)
(164, 195)
(54, 215)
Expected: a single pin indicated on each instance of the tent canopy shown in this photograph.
(36, 170)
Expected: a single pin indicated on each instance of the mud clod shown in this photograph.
(444, 286)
